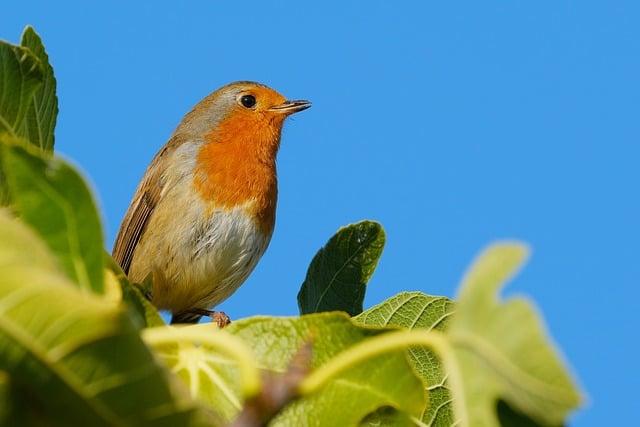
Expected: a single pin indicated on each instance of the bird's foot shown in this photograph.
(219, 317)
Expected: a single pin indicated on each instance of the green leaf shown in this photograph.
(339, 272)
(79, 357)
(5, 199)
(28, 101)
(496, 366)
(387, 416)
(19, 408)
(53, 198)
(502, 351)
(344, 399)
(211, 377)
(508, 417)
(352, 393)
(40, 121)
(145, 314)
(210, 362)
(415, 310)
(21, 74)
(7, 400)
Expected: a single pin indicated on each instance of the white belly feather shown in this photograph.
(220, 248)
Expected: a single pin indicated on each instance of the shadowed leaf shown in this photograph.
(338, 274)
(40, 120)
(387, 416)
(145, 313)
(21, 75)
(507, 417)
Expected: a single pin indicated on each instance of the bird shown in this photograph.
(204, 211)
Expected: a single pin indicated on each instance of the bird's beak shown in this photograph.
(290, 107)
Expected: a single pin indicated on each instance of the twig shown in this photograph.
(277, 392)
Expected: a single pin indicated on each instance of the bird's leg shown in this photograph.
(220, 317)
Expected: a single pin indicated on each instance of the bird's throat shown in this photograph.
(236, 166)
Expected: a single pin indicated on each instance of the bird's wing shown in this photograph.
(142, 206)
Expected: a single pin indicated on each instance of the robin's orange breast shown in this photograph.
(236, 165)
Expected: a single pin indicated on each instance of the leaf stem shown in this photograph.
(219, 340)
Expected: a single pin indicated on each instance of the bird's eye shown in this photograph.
(248, 101)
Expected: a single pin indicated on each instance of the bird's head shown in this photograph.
(247, 115)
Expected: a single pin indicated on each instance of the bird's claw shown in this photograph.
(193, 316)
(219, 317)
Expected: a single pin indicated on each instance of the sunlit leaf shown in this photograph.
(81, 359)
(415, 310)
(210, 377)
(502, 351)
(382, 380)
(52, 197)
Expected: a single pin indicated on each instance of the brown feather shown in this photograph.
(142, 205)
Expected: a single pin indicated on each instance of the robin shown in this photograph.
(204, 211)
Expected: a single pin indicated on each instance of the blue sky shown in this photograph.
(452, 123)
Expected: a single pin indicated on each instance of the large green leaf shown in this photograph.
(53, 198)
(78, 356)
(339, 272)
(415, 310)
(505, 371)
(501, 351)
(40, 121)
(363, 387)
(344, 399)
(21, 74)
